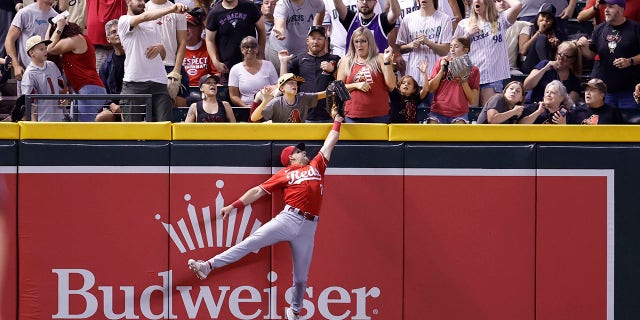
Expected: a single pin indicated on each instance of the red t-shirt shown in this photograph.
(631, 10)
(375, 102)
(449, 99)
(197, 64)
(99, 12)
(302, 185)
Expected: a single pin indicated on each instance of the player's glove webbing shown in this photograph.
(337, 94)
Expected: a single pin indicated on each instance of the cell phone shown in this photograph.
(562, 111)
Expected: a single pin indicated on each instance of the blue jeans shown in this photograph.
(89, 109)
(624, 100)
(444, 119)
(497, 86)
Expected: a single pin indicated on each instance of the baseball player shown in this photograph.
(302, 183)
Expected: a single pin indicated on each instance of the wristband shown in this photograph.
(630, 61)
(238, 204)
(336, 126)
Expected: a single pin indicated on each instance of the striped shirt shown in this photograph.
(488, 50)
(436, 27)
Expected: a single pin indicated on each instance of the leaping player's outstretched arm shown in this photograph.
(332, 137)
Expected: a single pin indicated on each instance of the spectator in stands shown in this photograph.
(173, 28)
(617, 43)
(267, 8)
(406, 96)
(99, 12)
(250, 75)
(29, 21)
(7, 10)
(336, 32)
(453, 94)
(595, 110)
(369, 76)
(424, 35)
(564, 11)
(514, 34)
(543, 40)
(293, 18)
(594, 9)
(552, 109)
(379, 24)
(290, 107)
(228, 22)
(210, 109)
(196, 59)
(567, 68)
(43, 77)
(316, 66)
(112, 72)
(144, 70)
(504, 108)
(486, 28)
(78, 64)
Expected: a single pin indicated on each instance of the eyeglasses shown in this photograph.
(250, 46)
(565, 56)
(359, 41)
(366, 0)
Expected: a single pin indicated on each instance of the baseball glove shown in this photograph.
(174, 84)
(337, 94)
(460, 68)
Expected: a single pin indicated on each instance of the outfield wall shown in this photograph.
(418, 222)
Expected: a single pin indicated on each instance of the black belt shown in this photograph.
(306, 215)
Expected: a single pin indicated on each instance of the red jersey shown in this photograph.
(302, 185)
(197, 63)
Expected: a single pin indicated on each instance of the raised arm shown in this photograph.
(394, 11)
(341, 8)
(515, 6)
(386, 63)
(332, 137)
(155, 14)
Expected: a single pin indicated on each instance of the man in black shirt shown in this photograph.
(228, 22)
(316, 66)
(595, 110)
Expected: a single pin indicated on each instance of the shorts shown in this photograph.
(447, 120)
(497, 86)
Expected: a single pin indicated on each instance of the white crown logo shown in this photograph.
(197, 226)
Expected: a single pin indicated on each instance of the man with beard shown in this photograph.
(617, 43)
(144, 70)
(381, 25)
(595, 110)
(316, 66)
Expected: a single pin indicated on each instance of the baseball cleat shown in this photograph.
(201, 268)
(292, 316)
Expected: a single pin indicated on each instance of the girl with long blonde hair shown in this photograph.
(486, 28)
(369, 76)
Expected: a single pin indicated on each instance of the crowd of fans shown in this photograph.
(274, 59)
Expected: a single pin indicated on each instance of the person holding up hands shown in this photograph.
(453, 93)
(369, 76)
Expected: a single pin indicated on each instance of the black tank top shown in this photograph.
(203, 116)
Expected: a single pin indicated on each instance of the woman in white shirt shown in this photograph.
(249, 76)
